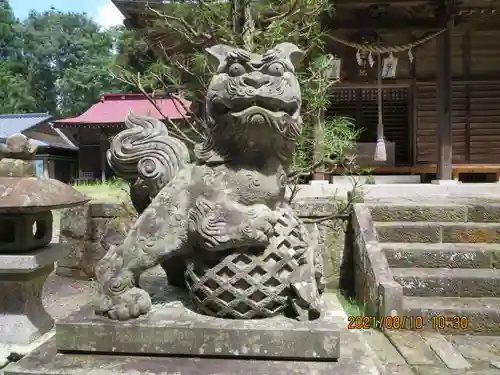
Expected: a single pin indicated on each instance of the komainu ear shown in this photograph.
(217, 54)
(291, 52)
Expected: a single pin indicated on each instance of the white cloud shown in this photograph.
(108, 15)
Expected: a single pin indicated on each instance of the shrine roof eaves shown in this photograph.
(112, 109)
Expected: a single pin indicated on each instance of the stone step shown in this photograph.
(420, 212)
(448, 282)
(442, 255)
(435, 232)
(456, 315)
(449, 212)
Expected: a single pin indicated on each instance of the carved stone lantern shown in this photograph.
(26, 255)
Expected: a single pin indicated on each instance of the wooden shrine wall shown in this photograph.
(475, 93)
(475, 98)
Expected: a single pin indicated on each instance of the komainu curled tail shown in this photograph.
(148, 158)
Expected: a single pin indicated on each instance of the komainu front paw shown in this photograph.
(260, 226)
(128, 305)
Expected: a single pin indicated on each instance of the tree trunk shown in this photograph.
(243, 23)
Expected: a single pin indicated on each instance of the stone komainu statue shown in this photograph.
(219, 227)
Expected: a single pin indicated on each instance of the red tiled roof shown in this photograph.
(113, 109)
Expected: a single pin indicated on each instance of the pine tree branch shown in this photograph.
(294, 9)
(189, 33)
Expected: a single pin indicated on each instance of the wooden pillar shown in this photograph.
(444, 89)
(467, 65)
(102, 151)
(413, 118)
(319, 173)
(79, 155)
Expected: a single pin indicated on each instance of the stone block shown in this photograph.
(495, 259)
(74, 221)
(487, 213)
(453, 282)
(173, 329)
(408, 232)
(333, 238)
(92, 254)
(97, 226)
(373, 277)
(315, 207)
(445, 351)
(441, 255)
(390, 299)
(106, 210)
(472, 233)
(419, 212)
(74, 250)
(413, 348)
(115, 232)
(431, 370)
(332, 232)
(478, 316)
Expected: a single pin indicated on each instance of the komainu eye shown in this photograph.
(236, 69)
(276, 69)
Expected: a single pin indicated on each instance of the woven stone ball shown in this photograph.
(249, 284)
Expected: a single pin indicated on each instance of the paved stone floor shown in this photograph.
(397, 353)
(430, 353)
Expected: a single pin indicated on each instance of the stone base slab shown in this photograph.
(46, 361)
(356, 358)
(173, 329)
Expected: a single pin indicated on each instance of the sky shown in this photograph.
(102, 11)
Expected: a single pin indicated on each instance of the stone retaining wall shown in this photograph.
(89, 230)
(374, 283)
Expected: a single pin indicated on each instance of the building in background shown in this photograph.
(439, 111)
(93, 130)
(56, 155)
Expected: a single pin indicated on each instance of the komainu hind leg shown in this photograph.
(159, 233)
(175, 268)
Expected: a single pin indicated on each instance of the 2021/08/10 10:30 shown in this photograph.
(385, 322)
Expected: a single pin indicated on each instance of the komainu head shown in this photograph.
(253, 103)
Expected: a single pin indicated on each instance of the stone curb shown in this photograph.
(385, 296)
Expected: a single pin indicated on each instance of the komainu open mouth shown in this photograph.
(269, 104)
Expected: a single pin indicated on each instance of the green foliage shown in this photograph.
(56, 62)
(70, 59)
(7, 29)
(181, 31)
(16, 96)
(334, 142)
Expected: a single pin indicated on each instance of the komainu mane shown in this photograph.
(219, 227)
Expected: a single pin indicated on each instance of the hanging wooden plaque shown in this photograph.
(389, 67)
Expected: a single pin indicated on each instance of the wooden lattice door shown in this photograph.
(361, 105)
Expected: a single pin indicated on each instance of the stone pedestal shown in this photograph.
(175, 340)
(173, 329)
(23, 319)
